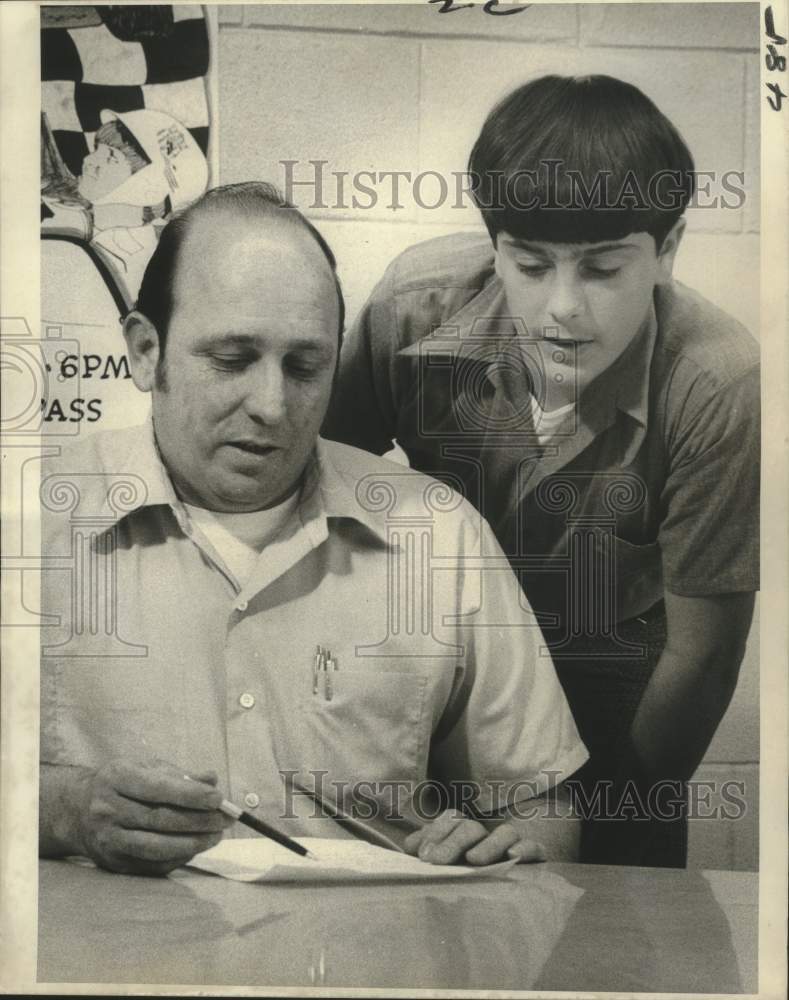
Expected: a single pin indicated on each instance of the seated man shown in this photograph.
(198, 561)
(602, 417)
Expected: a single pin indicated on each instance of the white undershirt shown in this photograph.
(240, 538)
(546, 422)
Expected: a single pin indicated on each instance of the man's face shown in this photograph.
(103, 170)
(249, 362)
(586, 301)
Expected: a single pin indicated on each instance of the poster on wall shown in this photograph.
(125, 132)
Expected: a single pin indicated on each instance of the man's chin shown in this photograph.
(239, 493)
(245, 499)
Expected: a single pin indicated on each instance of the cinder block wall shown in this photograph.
(394, 87)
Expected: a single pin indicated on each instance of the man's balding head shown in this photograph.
(213, 213)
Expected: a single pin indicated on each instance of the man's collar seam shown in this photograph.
(377, 531)
(115, 521)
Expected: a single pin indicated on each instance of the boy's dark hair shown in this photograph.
(580, 160)
(252, 198)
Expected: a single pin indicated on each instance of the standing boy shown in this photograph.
(603, 417)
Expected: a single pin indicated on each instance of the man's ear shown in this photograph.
(668, 251)
(142, 343)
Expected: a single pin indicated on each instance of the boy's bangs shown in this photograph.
(566, 206)
(580, 160)
(568, 225)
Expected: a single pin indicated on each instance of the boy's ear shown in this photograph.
(142, 343)
(668, 251)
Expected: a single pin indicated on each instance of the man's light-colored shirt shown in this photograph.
(240, 538)
(158, 650)
(650, 484)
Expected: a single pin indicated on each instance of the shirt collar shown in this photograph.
(328, 494)
(469, 331)
(325, 493)
(142, 461)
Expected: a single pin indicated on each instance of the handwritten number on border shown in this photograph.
(774, 60)
(490, 7)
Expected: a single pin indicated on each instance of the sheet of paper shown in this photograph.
(258, 859)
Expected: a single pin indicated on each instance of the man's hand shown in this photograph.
(451, 837)
(140, 817)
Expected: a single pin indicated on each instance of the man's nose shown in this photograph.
(265, 400)
(565, 302)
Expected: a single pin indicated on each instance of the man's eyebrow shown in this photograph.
(228, 340)
(306, 344)
(254, 340)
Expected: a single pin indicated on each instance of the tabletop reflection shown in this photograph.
(543, 927)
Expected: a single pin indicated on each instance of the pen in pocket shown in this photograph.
(324, 663)
(331, 666)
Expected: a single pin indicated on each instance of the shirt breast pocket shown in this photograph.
(365, 726)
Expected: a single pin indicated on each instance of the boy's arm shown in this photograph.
(693, 683)
(679, 712)
(709, 541)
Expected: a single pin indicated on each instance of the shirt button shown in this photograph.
(246, 700)
(242, 606)
(251, 800)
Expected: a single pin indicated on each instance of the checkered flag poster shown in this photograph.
(124, 128)
(122, 59)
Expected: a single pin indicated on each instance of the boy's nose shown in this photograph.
(565, 302)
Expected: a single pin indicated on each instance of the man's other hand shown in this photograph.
(138, 817)
(452, 837)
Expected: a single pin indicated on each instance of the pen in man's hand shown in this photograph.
(238, 814)
(229, 809)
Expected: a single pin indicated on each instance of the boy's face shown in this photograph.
(586, 301)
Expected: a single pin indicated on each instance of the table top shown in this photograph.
(542, 927)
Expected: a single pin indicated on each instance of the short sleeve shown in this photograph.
(507, 727)
(709, 534)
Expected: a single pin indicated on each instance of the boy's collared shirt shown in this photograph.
(652, 482)
(151, 645)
